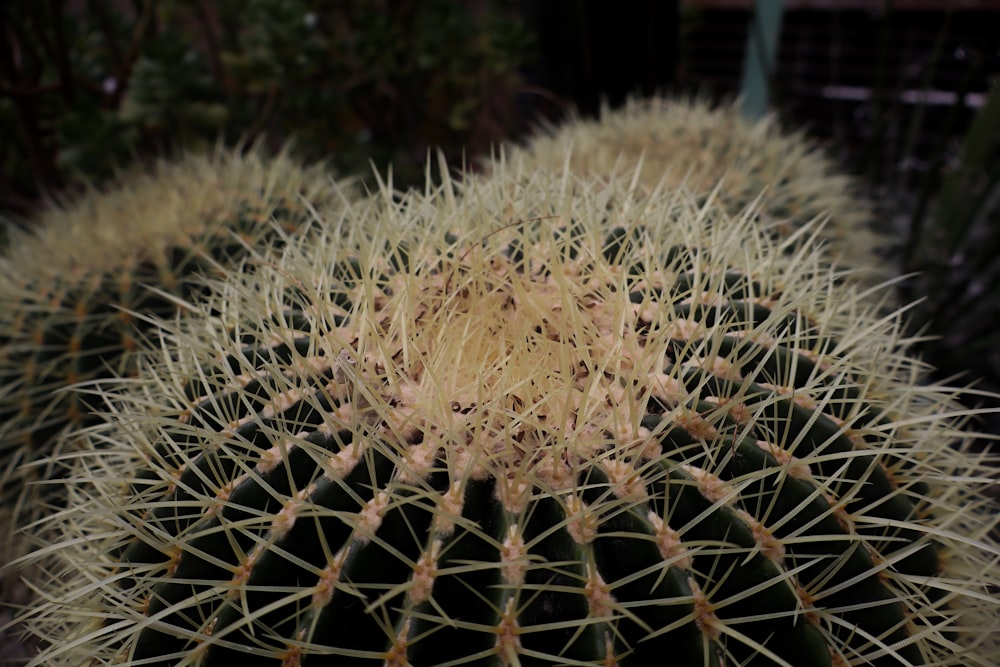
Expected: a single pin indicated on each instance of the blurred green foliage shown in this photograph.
(87, 86)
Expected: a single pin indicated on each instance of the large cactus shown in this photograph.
(713, 150)
(546, 422)
(77, 288)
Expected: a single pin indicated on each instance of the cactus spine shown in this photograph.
(547, 422)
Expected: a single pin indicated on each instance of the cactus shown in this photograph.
(542, 421)
(75, 286)
(77, 289)
(670, 141)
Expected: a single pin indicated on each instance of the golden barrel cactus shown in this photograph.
(532, 419)
(77, 288)
(713, 151)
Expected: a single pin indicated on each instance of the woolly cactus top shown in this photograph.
(151, 213)
(674, 141)
(548, 421)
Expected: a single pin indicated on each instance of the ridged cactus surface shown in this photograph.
(544, 421)
(714, 151)
(76, 288)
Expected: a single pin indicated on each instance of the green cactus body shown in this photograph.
(547, 422)
(715, 152)
(77, 288)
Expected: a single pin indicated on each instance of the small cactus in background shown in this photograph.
(76, 291)
(669, 142)
(549, 421)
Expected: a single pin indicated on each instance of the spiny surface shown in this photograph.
(74, 285)
(77, 289)
(673, 141)
(547, 422)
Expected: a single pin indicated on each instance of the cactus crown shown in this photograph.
(703, 147)
(174, 204)
(551, 421)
